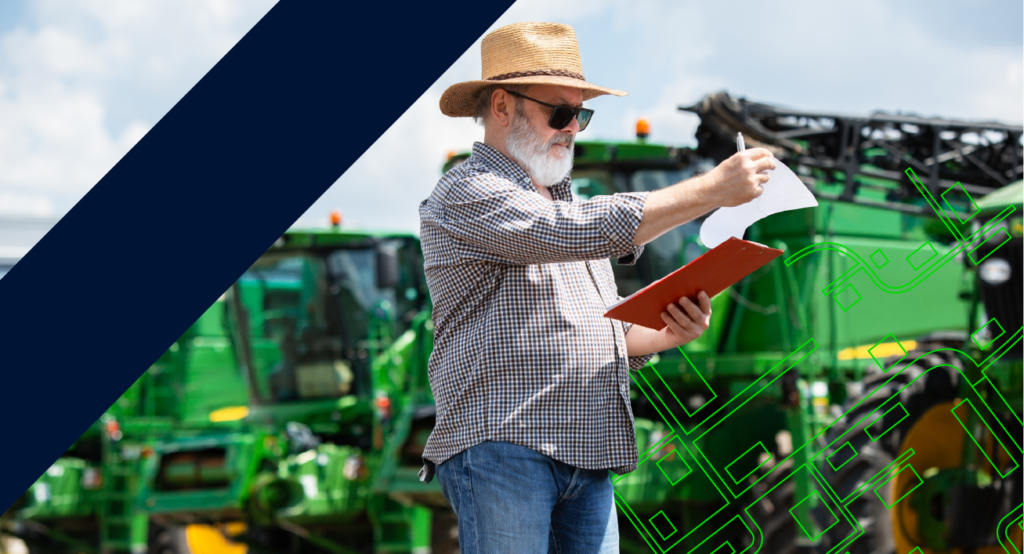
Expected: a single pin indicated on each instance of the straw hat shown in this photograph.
(524, 54)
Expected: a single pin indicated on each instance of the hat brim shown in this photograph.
(460, 99)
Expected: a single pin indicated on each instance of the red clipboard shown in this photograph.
(714, 271)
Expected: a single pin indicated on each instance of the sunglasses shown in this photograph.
(561, 116)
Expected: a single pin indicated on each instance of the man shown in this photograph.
(530, 380)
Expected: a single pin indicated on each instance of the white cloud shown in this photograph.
(30, 205)
(840, 57)
(384, 187)
(82, 81)
(844, 58)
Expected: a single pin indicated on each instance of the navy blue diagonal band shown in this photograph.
(198, 199)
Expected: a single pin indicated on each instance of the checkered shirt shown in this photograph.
(522, 350)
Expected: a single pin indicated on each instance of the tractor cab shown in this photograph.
(319, 308)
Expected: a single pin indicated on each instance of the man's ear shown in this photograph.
(502, 107)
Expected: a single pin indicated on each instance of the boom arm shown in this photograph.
(982, 156)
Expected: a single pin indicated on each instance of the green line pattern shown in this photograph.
(681, 463)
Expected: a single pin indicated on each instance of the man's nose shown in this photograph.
(573, 127)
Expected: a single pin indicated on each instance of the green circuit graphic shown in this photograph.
(925, 261)
(678, 458)
(681, 458)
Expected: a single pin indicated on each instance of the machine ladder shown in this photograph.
(123, 527)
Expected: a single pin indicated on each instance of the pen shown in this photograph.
(739, 143)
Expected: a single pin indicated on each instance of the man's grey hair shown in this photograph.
(483, 100)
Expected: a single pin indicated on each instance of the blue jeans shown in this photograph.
(513, 499)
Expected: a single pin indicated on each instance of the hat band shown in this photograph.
(539, 72)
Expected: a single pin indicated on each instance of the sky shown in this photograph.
(81, 81)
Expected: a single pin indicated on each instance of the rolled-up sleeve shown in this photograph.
(635, 362)
(495, 220)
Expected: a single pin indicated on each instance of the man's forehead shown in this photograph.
(555, 94)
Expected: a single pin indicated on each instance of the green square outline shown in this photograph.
(994, 339)
(985, 235)
(651, 451)
(686, 473)
(919, 248)
(950, 204)
(884, 339)
(732, 463)
(848, 460)
(823, 503)
(878, 488)
(878, 477)
(831, 495)
(995, 436)
(986, 240)
(646, 533)
(867, 428)
(852, 304)
(658, 529)
(884, 257)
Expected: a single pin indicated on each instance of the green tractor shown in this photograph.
(923, 451)
(289, 418)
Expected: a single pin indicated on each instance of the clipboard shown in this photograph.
(714, 271)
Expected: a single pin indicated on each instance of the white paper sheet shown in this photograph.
(784, 191)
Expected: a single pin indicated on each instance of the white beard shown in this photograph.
(544, 166)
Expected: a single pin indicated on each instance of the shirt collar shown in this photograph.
(502, 164)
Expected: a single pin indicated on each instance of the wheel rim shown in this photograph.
(937, 439)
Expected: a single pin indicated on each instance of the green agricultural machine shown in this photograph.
(289, 418)
(862, 393)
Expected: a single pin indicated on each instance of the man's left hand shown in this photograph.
(686, 321)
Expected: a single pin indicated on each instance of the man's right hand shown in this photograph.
(738, 180)
(735, 181)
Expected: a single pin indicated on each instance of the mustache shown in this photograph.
(561, 139)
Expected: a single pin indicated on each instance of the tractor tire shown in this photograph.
(936, 386)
